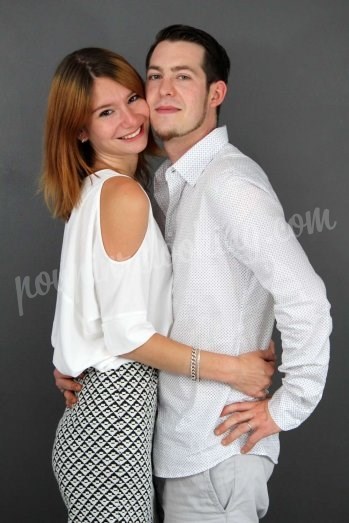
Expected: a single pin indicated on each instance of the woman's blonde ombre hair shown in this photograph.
(66, 160)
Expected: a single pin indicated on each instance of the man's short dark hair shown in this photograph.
(216, 63)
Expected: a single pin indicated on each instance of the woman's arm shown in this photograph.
(250, 373)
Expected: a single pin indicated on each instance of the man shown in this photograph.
(236, 264)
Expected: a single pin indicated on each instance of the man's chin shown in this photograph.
(166, 135)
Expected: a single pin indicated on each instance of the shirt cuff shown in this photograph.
(289, 410)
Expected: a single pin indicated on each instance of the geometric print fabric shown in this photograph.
(102, 450)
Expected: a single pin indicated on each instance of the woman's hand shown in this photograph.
(67, 386)
(253, 372)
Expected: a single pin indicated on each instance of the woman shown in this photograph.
(113, 308)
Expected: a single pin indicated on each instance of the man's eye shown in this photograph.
(106, 112)
(183, 77)
(153, 77)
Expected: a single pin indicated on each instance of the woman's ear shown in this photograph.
(82, 136)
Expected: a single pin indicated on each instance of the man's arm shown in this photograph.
(259, 237)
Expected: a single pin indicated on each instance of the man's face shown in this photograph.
(177, 92)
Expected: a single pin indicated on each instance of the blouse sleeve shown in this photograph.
(123, 294)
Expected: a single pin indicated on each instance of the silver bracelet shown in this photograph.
(195, 364)
(198, 365)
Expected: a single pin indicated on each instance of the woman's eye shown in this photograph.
(133, 98)
(106, 112)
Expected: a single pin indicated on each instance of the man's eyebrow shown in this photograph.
(174, 69)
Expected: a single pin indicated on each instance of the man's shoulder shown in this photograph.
(231, 161)
(231, 168)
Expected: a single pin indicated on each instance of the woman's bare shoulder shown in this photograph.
(124, 216)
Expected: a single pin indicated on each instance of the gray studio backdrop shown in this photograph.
(287, 108)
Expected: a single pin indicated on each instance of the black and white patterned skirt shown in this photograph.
(102, 451)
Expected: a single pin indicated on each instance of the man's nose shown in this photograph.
(166, 87)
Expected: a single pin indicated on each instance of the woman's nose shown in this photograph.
(129, 116)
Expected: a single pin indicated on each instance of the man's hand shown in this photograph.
(67, 386)
(255, 371)
(249, 417)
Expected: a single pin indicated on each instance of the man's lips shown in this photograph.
(166, 109)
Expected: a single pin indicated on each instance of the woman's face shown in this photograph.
(119, 122)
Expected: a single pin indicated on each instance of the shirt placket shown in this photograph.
(175, 186)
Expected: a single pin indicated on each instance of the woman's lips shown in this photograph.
(131, 136)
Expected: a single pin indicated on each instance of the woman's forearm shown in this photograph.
(171, 356)
(250, 373)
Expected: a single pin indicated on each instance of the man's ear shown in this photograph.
(217, 93)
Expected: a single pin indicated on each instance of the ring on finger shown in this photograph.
(250, 428)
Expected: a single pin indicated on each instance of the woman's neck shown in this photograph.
(125, 166)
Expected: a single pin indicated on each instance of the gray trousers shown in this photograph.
(233, 491)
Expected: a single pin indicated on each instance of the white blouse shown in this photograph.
(106, 308)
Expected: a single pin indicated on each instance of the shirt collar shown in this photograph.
(194, 162)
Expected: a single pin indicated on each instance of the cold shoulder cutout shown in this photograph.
(124, 217)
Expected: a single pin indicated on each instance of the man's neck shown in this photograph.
(175, 148)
